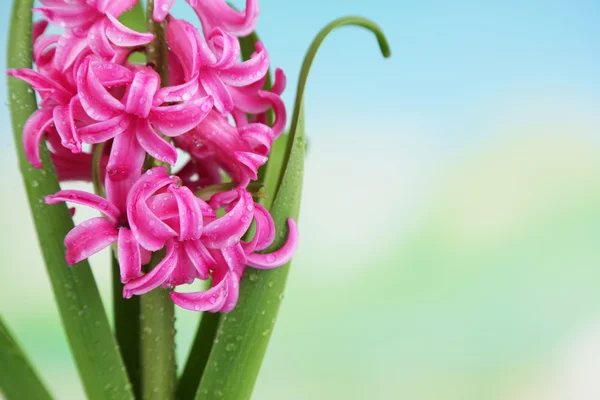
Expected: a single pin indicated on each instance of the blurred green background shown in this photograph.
(451, 213)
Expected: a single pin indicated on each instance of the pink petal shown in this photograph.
(156, 276)
(214, 86)
(98, 41)
(126, 155)
(123, 36)
(88, 238)
(38, 29)
(278, 109)
(265, 231)
(111, 74)
(200, 258)
(69, 47)
(180, 118)
(171, 94)
(161, 9)
(117, 190)
(228, 230)
(71, 16)
(258, 136)
(164, 206)
(279, 257)
(234, 256)
(40, 48)
(44, 85)
(247, 72)
(208, 300)
(104, 130)
(140, 94)
(128, 251)
(184, 41)
(33, 130)
(280, 82)
(217, 13)
(97, 102)
(190, 215)
(156, 146)
(65, 126)
(233, 292)
(184, 273)
(87, 199)
(116, 8)
(150, 232)
(229, 49)
(251, 161)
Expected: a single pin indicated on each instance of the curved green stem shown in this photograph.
(309, 58)
(244, 334)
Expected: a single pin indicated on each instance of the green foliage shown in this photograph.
(18, 379)
(86, 325)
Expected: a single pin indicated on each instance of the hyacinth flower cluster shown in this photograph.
(155, 143)
(179, 127)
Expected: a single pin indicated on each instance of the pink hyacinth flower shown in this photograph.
(215, 60)
(232, 254)
(239, 151)
(131, 120)
(91, 24)
(218, 14)
(162, 213)
(95, 234)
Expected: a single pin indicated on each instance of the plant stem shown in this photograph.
(157, 325)
(127, 328)
(157, 311)
(157, 51)
(196, 362)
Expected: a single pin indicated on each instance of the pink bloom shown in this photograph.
(95, 234)
(252, 99)
(218, 14)
(215, 61)
(162, 213)
(239, 151)
(132, 120)
(232, 255)
(91, 24)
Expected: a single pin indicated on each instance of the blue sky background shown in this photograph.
(450, 214)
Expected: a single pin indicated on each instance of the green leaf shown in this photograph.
(244, 334)
(18, 379)
(86, 324)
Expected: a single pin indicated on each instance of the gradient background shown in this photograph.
(451, 215)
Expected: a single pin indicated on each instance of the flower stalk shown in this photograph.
(157, 311)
